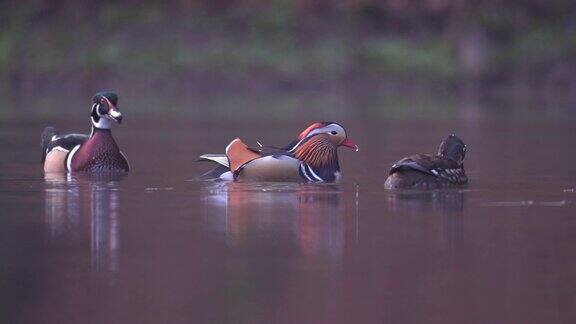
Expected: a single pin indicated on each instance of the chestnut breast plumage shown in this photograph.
(100, 153)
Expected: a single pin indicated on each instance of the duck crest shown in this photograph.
(319, 153)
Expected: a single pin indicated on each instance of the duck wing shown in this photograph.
(51, 139)
(239, 154)
(220, 159)
(266, 150)
(437, 166)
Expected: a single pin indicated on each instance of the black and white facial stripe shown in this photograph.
(98, 117)
(104, 110)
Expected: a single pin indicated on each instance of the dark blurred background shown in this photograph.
(202, 57)
(193, 75)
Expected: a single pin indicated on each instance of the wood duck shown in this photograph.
(311, 157)
(97, 152)
(424, 171)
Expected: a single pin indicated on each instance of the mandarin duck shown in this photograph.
(311, 157)
(90, 153)
(423, 171)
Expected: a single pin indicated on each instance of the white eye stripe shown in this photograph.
(321, 130)
(328, 130)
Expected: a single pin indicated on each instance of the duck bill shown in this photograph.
(350, 144)
(116, 116)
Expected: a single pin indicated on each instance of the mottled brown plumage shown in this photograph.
(99, 153)
(423, 171)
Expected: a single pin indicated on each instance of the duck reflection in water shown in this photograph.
(424, 201)
(84, 207)
(447, 205)
(273, 214)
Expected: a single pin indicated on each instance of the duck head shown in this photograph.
(317, 145)
(105, 110)
(332, 131)
(453, 148)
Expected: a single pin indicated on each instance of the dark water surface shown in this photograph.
(157, 246)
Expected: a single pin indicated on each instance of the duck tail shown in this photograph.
(220, 159)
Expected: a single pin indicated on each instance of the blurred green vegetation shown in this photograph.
(306, 42)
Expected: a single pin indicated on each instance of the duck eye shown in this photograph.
(333, 132)
(101, 100)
